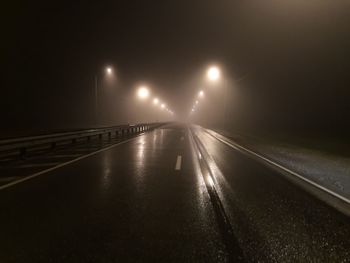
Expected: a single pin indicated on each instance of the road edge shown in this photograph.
(335, 200)
(28, 177)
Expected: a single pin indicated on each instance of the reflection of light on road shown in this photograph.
(155, 139)
(210, 181)
(199, 183)
(213, 148)
(139, 163)
(106, 172)
(141, 149)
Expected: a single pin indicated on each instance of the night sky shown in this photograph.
(293, 56)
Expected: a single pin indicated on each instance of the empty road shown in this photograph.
(150, 199)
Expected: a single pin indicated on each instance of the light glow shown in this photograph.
(109, 70)
(155, 101)
(210, 181)
(143, 92)
(213, 73)
(201, 94)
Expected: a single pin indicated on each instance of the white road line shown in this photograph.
(178, 163)
(239, 147)
(64, 164)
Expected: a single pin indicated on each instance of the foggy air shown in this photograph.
(171, 131)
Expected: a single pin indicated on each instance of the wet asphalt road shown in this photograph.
(123, 204)
(131, 203)
(273, 219)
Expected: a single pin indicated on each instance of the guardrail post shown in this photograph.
(109, 135)
(53, 145)
(74, 141)
(100, 136)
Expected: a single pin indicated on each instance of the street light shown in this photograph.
(109, 72)
(162, 106)
(213, 73)
(201, 94)
(143, 92)
(155, 101)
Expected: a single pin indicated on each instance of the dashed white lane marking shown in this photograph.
(178, 163)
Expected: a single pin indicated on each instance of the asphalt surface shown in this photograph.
(273, 219)
(124, 204)
(135, 203)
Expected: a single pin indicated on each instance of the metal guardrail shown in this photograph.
(21, 146)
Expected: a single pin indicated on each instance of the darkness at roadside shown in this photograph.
(286, 63)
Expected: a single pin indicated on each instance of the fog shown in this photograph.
(284, 64)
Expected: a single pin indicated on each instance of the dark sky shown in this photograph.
(294, 54)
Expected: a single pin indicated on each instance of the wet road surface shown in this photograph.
(146, 200)
(273, 219)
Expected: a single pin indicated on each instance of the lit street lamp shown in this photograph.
(109, 72)
(143, 92)
(213, 73)
(155, 101)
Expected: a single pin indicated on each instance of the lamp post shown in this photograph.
(109, 72)
(214, 75)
